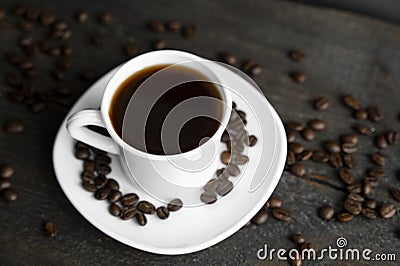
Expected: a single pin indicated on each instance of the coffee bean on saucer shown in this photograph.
(175, 205)
(297, 55)
(103, 169)
(387, 210)
(13, 126)
(156, 25)
(298, 77)
(7, 171)
(294, 125)
(102, 159)
(82, 153)
(88, 176)
(379, 158)
(224, 187)
(322, 103)
(296, 147)
(345, 217)
(222, 173)
(81, 16)
(261, 217)
(370, 203)
(9, 194)
(326, 213)
(332, 146)
(129, 199)
(106, 18)
(146, 207)
(233, 170)
(281, 214)
(368, 213)
(275, 203)
(395, 193)
(352, 102)
(174, 25)
(50, 229)
(377, 172)
(162, 212)
(208, 197)
(225, 137)
(298, 239)
(114, 196)
(141, 219)
(89, 186)
(226, 157)
(113, 184)
(298, 169)
(128, 212)
(320, 156)
(336, 160)
(211, 185)
(381, 141)
(241, 159)
(392, 137)
(308, 134)
(159, 44)
(317, 124)
(361, 114)
(115, 210)
(89, 166)
(102, 193)
(227, 57)
(375, 113)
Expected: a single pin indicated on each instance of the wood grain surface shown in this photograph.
(347, 54)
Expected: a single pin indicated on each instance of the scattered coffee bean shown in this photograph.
(251, 68)
(352, 206)
(129, 199)
(317, 125)
(106, 18)
(326, 213)
(4, 183)
(320, 156)
(373, 181)
(46, 19)
(261, 217)
(174, 25)
(367, 188)
(381, 142)
(348, 148)
(241, 159)
(375, 113)
(50, 229)
(115, 210)
(345, 217)
(308, 134)
(349, 160)
(295, 147)
(225, 138)
(355, 188)
(307, 245)
(361, 114)
(387, 210)
(227, 57)
(291, 158)
(13, 126)
(336, 160)
(188, 31)
(128, 212)
(281, 214)
(233, 170)
(370, 203)
(208, 197)
(275, 203)
(162, 212)
(395, 193)
(141, 219)
(81, 16)
(352, 102)
(9, 195)
(305, 155)
(332, 146)
(226, 157)
(224, 187)
(377, 172)
(7, 171)
(297, 55)
(291, 136)
(156, 25)
(175, 205)
(365, 130)
(89, 186)
(298, 169)
(368, 213)
(298, 239)
(297, 261)
(102, 193)
(294, 125)
(379, 158)
(146, 207)
(114, 196)
(349, 138)
(159, 44)
(322, 104)
(392, 137)
(298, 77)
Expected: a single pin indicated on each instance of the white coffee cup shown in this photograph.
(162, 176)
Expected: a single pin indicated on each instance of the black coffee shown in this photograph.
(166, 112)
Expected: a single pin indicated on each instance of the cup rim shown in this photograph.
(125, 146)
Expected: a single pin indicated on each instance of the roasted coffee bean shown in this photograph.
(106, 18)
(129, 199)
(211, 185)
(81, 16)
(392, 137)
(320, 156)
(306, 245)
(275, 203)
(115, 210)
(102, 159)
(25, 41)
(82, 153)
(298, 169)
(128, 212)
(175, 205)
(373, 181)
(387, 210)
(332, 146)
(305, 155)
(130, 49)
(355, 188)
(60, 26)
(298, 239)
(379, 158)
(159, 44)
(37, 107)
(141, 219)
(233, 170)
(345, 217)
(297, 55)
(308, 134)
(251, 68)
(4, 183)
(291, 136)
(336, 160)
(395, 193)
(208, 197)
(376, 172)
(224, 187)
(7, 171)
(295, 147)
(353, 207)
(236, 147)
(222, 173)
(370, 203)
(361, 114)
(13, 126)
(297, 261)
(156, 25)
(252, 141)
(174, 25)
(261, 217)
(348, 148)
(291, 158)
(241, 159)
(111, 183)
(294, 125)
(281, 214)
(346, 176)
(9, 194)
(188, 31)
(88, 176)
(355, 197)
(225, 137)
(365, 130)
(322, 103)
(89, 186)
(146, 207)
(102, 193)
(367, 188)
(162, 212)
(226, 157)
(317, 125)
(114, 196)
(381, 142)
(375, 113)
(88, 165)
(368, 213)
(227, 57)
(50, 229)
(47, 19)
(349, 138)
(54, 51)
(298, 77)
(352, 102)
(103, 169)
(326, 213)
(349, 160)
(98, 39)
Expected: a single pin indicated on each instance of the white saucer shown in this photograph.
(190, 229)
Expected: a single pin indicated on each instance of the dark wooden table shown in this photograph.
(346, 54)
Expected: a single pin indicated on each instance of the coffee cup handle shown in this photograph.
(76, 126)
